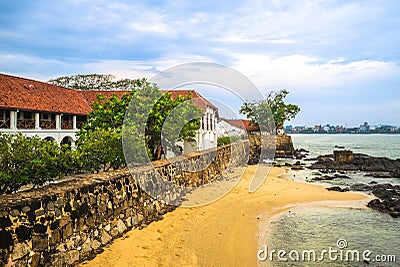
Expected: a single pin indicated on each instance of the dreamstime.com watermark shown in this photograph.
(340, 253)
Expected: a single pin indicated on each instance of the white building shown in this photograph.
(57, 113)
(206, 136)
(227, 127)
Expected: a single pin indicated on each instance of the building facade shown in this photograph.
(56, 113)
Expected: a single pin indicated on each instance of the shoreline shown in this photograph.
(222, 233)
(267, 219)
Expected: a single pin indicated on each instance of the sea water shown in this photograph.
(378, 145)
(346, 232)
(322, 228)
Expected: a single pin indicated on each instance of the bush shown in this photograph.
(225, 140)
(25, 160)
(100, 149)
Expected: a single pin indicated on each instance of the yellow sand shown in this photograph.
(222, 233)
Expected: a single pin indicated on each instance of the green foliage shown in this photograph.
(32, 161)
(86, 82)
(100, 149)
(225, 140)
(271, 110)
(170, 119)
(99, 144)
(96, 82)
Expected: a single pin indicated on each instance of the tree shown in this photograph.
(148, 112)
(100, 82)
(272, 109)
(28, 161)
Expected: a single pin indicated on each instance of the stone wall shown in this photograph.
(65, 223)
(343, 156)
(276, 146)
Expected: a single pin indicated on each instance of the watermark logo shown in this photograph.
(340, 253)
(221, 80)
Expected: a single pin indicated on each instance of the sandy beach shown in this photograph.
(223, 233)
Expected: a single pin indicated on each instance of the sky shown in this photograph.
(340, 60)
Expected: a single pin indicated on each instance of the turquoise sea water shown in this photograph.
(318, 228)
(379, 145)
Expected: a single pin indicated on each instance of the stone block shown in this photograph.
(121, 227)
(55, 238)
(20, 250)
(67, 231)
(105, 237)
(40, 242)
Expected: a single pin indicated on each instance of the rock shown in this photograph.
(107, 227)
(337, 188)
(105, 237)
(26, 209)
(389, 201)
(360, 162)
(36, 260)
(297, 168)
(50, 206)
(135, 220)
(96, 244)
(395, 173)
(54, 238)
(20, 250)
(323, 178)
(360, 187)
(71, 257)
(39, 242)
(114, 232)
(379, 174)
(67, 231)
(87, 246)
(15, 212)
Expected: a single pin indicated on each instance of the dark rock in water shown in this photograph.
(395, 173)
(300, 153)
(342, 176)
(373, 182)
(339, 147)
(323, 178)
(302, 150)
(360, 187)
(389, 199)
(379, 174)
(297, 167)
(338, 189)
(360, 162)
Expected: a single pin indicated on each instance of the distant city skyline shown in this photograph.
(340, 60)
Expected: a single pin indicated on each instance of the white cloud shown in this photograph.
(308, 73)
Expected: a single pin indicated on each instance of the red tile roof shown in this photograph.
(198, 99)
(27, 94)
(243, 124)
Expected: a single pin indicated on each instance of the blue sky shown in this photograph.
(340, 60)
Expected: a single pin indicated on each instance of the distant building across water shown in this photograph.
(364, 128)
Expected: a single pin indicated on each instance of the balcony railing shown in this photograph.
(79, 124)
(5, 124)
(46, 124)
(26, 124)
(66, 125)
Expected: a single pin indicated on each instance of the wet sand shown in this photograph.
(222, 233)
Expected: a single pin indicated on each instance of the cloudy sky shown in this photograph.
(340, 60)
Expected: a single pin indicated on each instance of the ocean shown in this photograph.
(356, 236)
